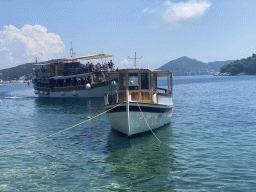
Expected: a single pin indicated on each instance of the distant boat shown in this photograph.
(143, 106)
(71, 79)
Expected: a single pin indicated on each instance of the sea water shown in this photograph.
(210, 144)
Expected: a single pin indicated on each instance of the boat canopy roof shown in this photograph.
(88, 57)
(50, 62)
(71, 76)
(97, 56)
(157, 72)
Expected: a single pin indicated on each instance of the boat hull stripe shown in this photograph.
(143, 109)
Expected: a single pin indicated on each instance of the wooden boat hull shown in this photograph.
(130, 120)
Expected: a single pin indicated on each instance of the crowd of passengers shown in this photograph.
(63, 82)
(88, 68)
(98, 67)
(69, 82)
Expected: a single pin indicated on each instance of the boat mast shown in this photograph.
(101, 58)
(71, 51)
(135, 59)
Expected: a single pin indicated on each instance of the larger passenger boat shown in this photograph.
(72, 79)
(142, 104)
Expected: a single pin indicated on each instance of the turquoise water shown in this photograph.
(210, 142)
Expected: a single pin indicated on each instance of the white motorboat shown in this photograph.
(142, 104)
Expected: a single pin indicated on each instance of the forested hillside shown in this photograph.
(188, 66)
(14, 73)
(246, 66)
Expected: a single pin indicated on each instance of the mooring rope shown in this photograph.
(150, 127)
(58, 131)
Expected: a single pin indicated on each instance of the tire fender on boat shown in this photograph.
(113, 83)
(88, 86)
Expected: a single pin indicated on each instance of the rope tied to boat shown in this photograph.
(59, 131)
(150, 127)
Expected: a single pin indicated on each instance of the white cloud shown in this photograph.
(10, 57)
(151, 10)
(185, 10)
(176, 12)
(126, 64)
(23, 45)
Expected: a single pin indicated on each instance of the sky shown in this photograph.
(159, 31)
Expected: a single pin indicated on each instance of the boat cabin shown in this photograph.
(142, 85)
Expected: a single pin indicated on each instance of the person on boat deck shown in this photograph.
(87, 64)
(101, 77)
(98, 67)
(82, 81)
(77, 70)
(108, 66)
(68, 81)
(86, 80)
(74, 82)
(91, 67)
(77, 81)
(111, 65)
(105, 67)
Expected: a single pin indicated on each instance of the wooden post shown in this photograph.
(127, 109)
(171, 82)
(92, 80)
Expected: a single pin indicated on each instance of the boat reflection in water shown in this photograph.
(141, 162)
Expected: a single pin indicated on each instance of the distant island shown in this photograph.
(243, 66)
(185, 66)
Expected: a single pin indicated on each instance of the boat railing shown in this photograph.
(148, 96)
(164, 90)
(111, 98)
(141, 96)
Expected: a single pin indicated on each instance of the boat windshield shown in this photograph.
(144, 81)
(122, 81)
(133, 81)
